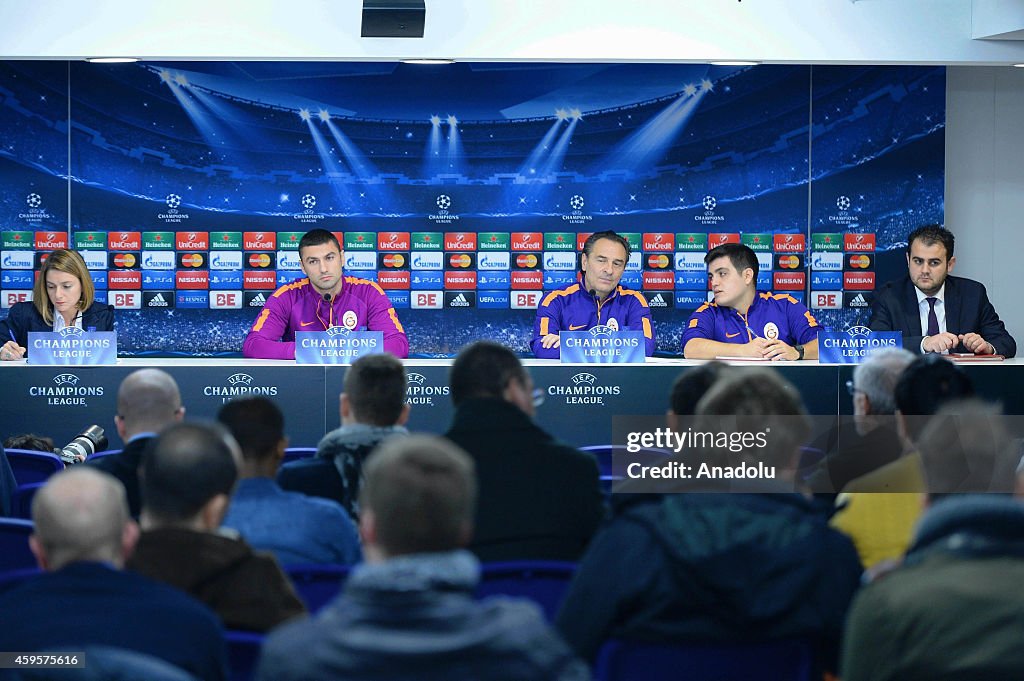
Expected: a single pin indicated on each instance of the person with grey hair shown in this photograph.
(82, 537)
(148, 400)
(725, 567)
(870, 439)
(952, 610)
(187, 480)
(408, 612)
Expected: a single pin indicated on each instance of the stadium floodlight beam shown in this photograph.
(435, 121)
(181, 79)
(453, 121)
(324, 115)
(576, 114)
(561, 114)
(304, 114)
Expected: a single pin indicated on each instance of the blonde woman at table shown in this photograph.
(62, 297)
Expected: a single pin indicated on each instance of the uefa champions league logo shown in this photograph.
(576, 215)
(843, 203)
(308, 202)
(709, 203)
(173, 215)
(444, 202)
(443, 216)
(35, 211)
(173, 201)
(843, 217)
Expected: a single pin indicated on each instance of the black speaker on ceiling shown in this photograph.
(393, 18)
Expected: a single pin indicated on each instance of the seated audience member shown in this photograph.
(872, 442)
(324, 299)
(539, 498)
(62, 297)
(409, 612)
(373, 409)
(596, 299)
(937, 312)
(721, 567)
(187, 478)
(744, 321)
(953, 610)
(147, 401)
(292, 526)
(7, 484)
(83, 534)
(879, 509)
(30, 442)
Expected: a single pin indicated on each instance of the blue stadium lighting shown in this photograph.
(455, 152)
(707, 86)
(561, 114)
(575, 114)
(529, 167)
(690, 90)
(653, 139)
(556, 159)
(165, 76)
(452, 121)
(304, 114)
(435, 121)
(356, 160)
(325, 115)
(284, 198)
(180, 79)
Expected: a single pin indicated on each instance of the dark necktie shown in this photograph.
(933, 320)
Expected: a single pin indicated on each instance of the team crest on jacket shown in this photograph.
(771, 331)
(613, 324)
(349, 320)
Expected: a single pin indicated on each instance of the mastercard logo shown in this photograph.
(789, 262)
(259, 260)
(398, 260)
(460, 260)
(658, 262)
(124, 260)
(191, 260)
(526, 260)
(860, 261)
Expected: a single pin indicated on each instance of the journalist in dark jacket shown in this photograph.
(62, 297)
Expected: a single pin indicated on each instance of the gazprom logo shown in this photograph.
(288, 260)
(226, 260)
(427, 260)
(158, 260)
(494, 261)
(18, 260)
(560, 261)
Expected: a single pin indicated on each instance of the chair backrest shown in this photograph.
(21, 501)
(14, 551)
(296, 453)
(790, 660)
(30, 466)
(317, 585)
(544, 582)
(605, 456)
(243, 654)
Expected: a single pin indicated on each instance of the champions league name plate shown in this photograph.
(855, 345)
(602, 345)
(336, 345)
(72, 345)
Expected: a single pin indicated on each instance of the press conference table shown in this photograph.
(580, 399)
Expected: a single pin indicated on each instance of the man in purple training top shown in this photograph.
(744, 322)
(322, 300)
(597, 300)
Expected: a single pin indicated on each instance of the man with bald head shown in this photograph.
(83, 536)
(147, 402)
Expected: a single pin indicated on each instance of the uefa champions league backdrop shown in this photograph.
(464, 191)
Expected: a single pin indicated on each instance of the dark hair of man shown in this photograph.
(925, 385)
(483, 369)
(183, 468)
(966, 448)
(30, 442)
(422, 492)
(375, 386)
(317, 237)
(930, 235)
(691, 385)
(257, 425)
(588, 245)
(740, 255)
(761, 400)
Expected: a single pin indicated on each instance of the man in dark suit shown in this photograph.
(147, 401)
(935, 311)
(539, 498)
(83, 535)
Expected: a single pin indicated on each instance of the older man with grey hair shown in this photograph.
(148, 401)
(871, 440)
(83, 536)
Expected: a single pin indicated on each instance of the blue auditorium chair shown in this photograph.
(296, 453)
(21, 500)
(604, 453)
(31, 466)
(543, 581)
(243, 653)
(317, 585)
(620, 660)
(14, 551)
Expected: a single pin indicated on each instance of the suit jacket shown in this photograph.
(968, 310)
(87, 603)
(24, 317)
(125, 467)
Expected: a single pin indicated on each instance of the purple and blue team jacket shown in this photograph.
(360, 306)
(573, 309)
(771, 315)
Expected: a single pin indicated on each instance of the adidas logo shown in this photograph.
(157, 301)
(858, 301)
(657, 301)
(258, 301)
(459, 301)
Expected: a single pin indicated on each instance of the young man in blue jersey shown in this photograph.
(596, 300)
(744, 322)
